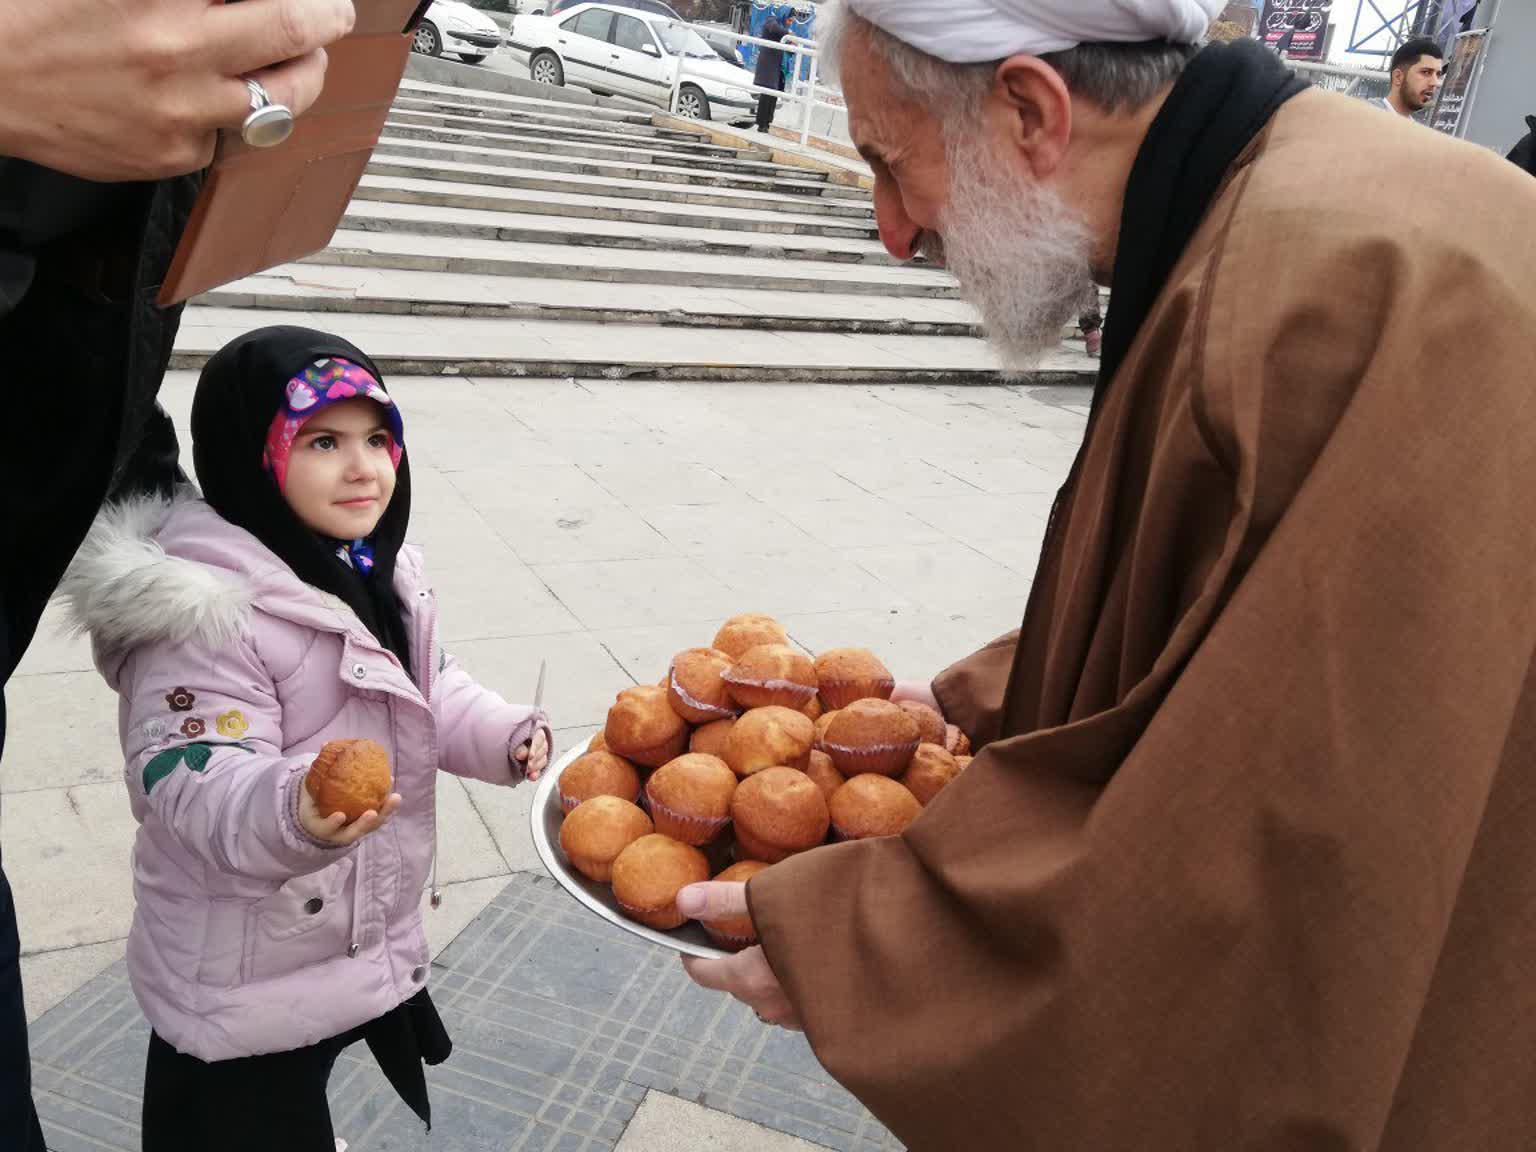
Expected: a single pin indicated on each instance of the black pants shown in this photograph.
(766, 106)
(19, 1129)
(258, 1104)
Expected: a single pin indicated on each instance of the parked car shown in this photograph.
(615, 50)
(450, 26)
(555, 7)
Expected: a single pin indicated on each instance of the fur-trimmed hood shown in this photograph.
(126, 588)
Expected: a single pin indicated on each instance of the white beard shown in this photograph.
(1020, 252)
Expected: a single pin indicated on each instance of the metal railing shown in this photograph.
(1363, 83)
(805, 92)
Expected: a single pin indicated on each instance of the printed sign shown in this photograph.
(1297, 28)
(1460, 72)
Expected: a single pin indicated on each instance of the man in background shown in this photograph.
(1418, 70)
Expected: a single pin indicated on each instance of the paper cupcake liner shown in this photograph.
(874, 759)
(770, 693)
(663, 919)
(836, 694)
(600, 872)
(693, 710)
(694, 830)
(748, 847)
(727, 941)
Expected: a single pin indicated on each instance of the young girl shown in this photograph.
(243, 631)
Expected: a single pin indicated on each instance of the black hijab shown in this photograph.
(239, 392)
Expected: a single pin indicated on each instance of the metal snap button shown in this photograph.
(418, 973)
(313, 905)
(359, 672)
(352, 952)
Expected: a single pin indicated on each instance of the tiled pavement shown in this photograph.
(560, 1028)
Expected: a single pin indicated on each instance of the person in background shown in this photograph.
(1418, 70)
(103, 117)
(769, 74)
(1524, 153)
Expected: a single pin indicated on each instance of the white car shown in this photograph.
(617, 51)
(452, 26)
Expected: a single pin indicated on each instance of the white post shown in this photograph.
(677, 85)
(810, 102)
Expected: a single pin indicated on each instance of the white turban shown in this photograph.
(979, 31)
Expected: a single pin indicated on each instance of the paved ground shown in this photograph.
(603, 526)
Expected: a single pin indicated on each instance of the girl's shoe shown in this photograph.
(1095, 342)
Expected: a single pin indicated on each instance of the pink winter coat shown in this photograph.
(249, 936)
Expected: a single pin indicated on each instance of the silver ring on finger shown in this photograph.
(269, 123)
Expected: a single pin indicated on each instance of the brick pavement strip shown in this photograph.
(560, 1025)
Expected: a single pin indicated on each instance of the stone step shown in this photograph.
(559, 153)
(510, 177)
(481, 224)
(575, 206)
(630, 135)
(617, 265)
(428, 345)
(308, 288)
(530, 104)
(468, 148)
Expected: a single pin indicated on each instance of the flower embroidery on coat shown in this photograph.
(155, 728)
(233, 725)
(180, 700)
(194, 727)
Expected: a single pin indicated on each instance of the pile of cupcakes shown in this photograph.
(746, 753)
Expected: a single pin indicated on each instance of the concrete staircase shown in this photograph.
(509, 235)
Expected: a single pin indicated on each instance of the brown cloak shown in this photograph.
(1248, 860)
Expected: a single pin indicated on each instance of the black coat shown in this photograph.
(770, 65)
(84, 350)
(1524, 153)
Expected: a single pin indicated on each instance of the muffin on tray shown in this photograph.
(711, 739)
(870, 806)
(823, 774)
(772, 674)
(597, 831)
(931, 728)
(740, 634)
(778, 812)
(769, 738)
(650, 873)
(690, 798)
(696, 686)
(598, 774)
(871, 736)
(931, 771)
(643, 727)
(849, 674)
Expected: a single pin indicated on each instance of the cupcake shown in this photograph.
(812, 709)
(690, 798)
(735, 932)
(931, 769)
(778, 812)
(931, 728)
(642, 727)
(823, 774)
(871, 736)
(696, 688)
(849, 674)
(956, 742)
(769, 738)
(598, 774)
(963, 762)
(822, 724)
(597, 831)
(711, 739)
(740, 634)
(869, 806)
(598, 743)
(772, 674)
(650, 873)
(350, 776)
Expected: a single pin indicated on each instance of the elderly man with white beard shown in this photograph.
(1247, 855)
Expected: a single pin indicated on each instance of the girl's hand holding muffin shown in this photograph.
(346, 793)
